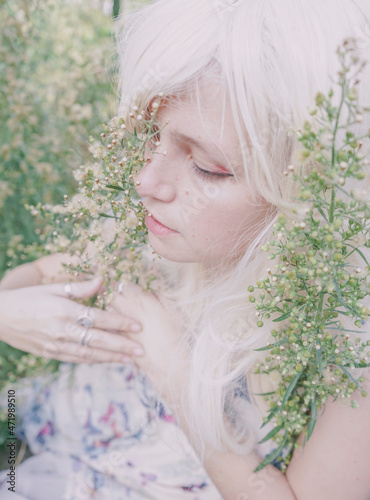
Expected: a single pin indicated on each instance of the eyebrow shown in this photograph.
(178, 136)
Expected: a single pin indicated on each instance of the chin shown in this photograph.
(168, 254)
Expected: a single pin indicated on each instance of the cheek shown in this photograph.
(227, 222)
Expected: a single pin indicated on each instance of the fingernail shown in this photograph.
(126, 359)
(138, 351)
(135, 327)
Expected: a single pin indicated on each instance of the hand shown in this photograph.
(160, 337)
(42, 320)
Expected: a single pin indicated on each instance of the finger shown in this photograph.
(99, 339)
(78, 290)
(129, 289)
(75, 353)
(75, 359)
(105, 320)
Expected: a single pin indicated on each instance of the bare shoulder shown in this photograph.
(335, 461)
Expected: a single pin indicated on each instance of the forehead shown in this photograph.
(202, 117)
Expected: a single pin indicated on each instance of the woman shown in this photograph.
(235, 78)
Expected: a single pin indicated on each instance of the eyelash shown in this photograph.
(208, 176)
(203, 174)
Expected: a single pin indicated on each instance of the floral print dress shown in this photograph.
(99, 432)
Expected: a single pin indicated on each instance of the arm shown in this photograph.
(42, 319)
(34, 273)
(234, 476)
(333, 464)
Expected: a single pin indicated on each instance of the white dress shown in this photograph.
(100, 432)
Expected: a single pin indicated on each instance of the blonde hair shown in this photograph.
(272, 56)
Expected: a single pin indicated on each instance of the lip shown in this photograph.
(157, 227)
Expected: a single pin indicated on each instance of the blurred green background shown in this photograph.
(57, 85)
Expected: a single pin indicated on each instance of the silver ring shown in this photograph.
(85, 319)
(68, 290)
(88, 338)
(83, 335)
(120, 287)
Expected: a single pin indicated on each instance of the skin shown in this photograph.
(41, 319)
(335, 462)
(211, 212)
(330, 466)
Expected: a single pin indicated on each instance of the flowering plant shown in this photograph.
(317, 288)
(316, 283)
(103, 224)
(55, 89)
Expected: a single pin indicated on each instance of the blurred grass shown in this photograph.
(57, 85)
(56, 88)
(55, 91)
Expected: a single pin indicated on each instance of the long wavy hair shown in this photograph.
(271, 57)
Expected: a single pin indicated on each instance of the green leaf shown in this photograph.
(271, 457)
(340, 298)
(346, 330)
(360, 253)
(337, 311)
(108, 216)
(322, 213)
(359, 365)
(118, 188)
(281, 318)
(271, 346)
(264, 393)
(272, 413)
(319, 360)
(290, 389)
(271, 434)
(312, 421)
(350, 376)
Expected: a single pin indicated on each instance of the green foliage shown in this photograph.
(107, 196)
(55, 89)
(318, 287)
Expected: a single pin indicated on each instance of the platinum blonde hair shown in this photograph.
(272, 57)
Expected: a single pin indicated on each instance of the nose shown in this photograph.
(155, 179)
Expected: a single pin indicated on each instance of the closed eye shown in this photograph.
(207, 175)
